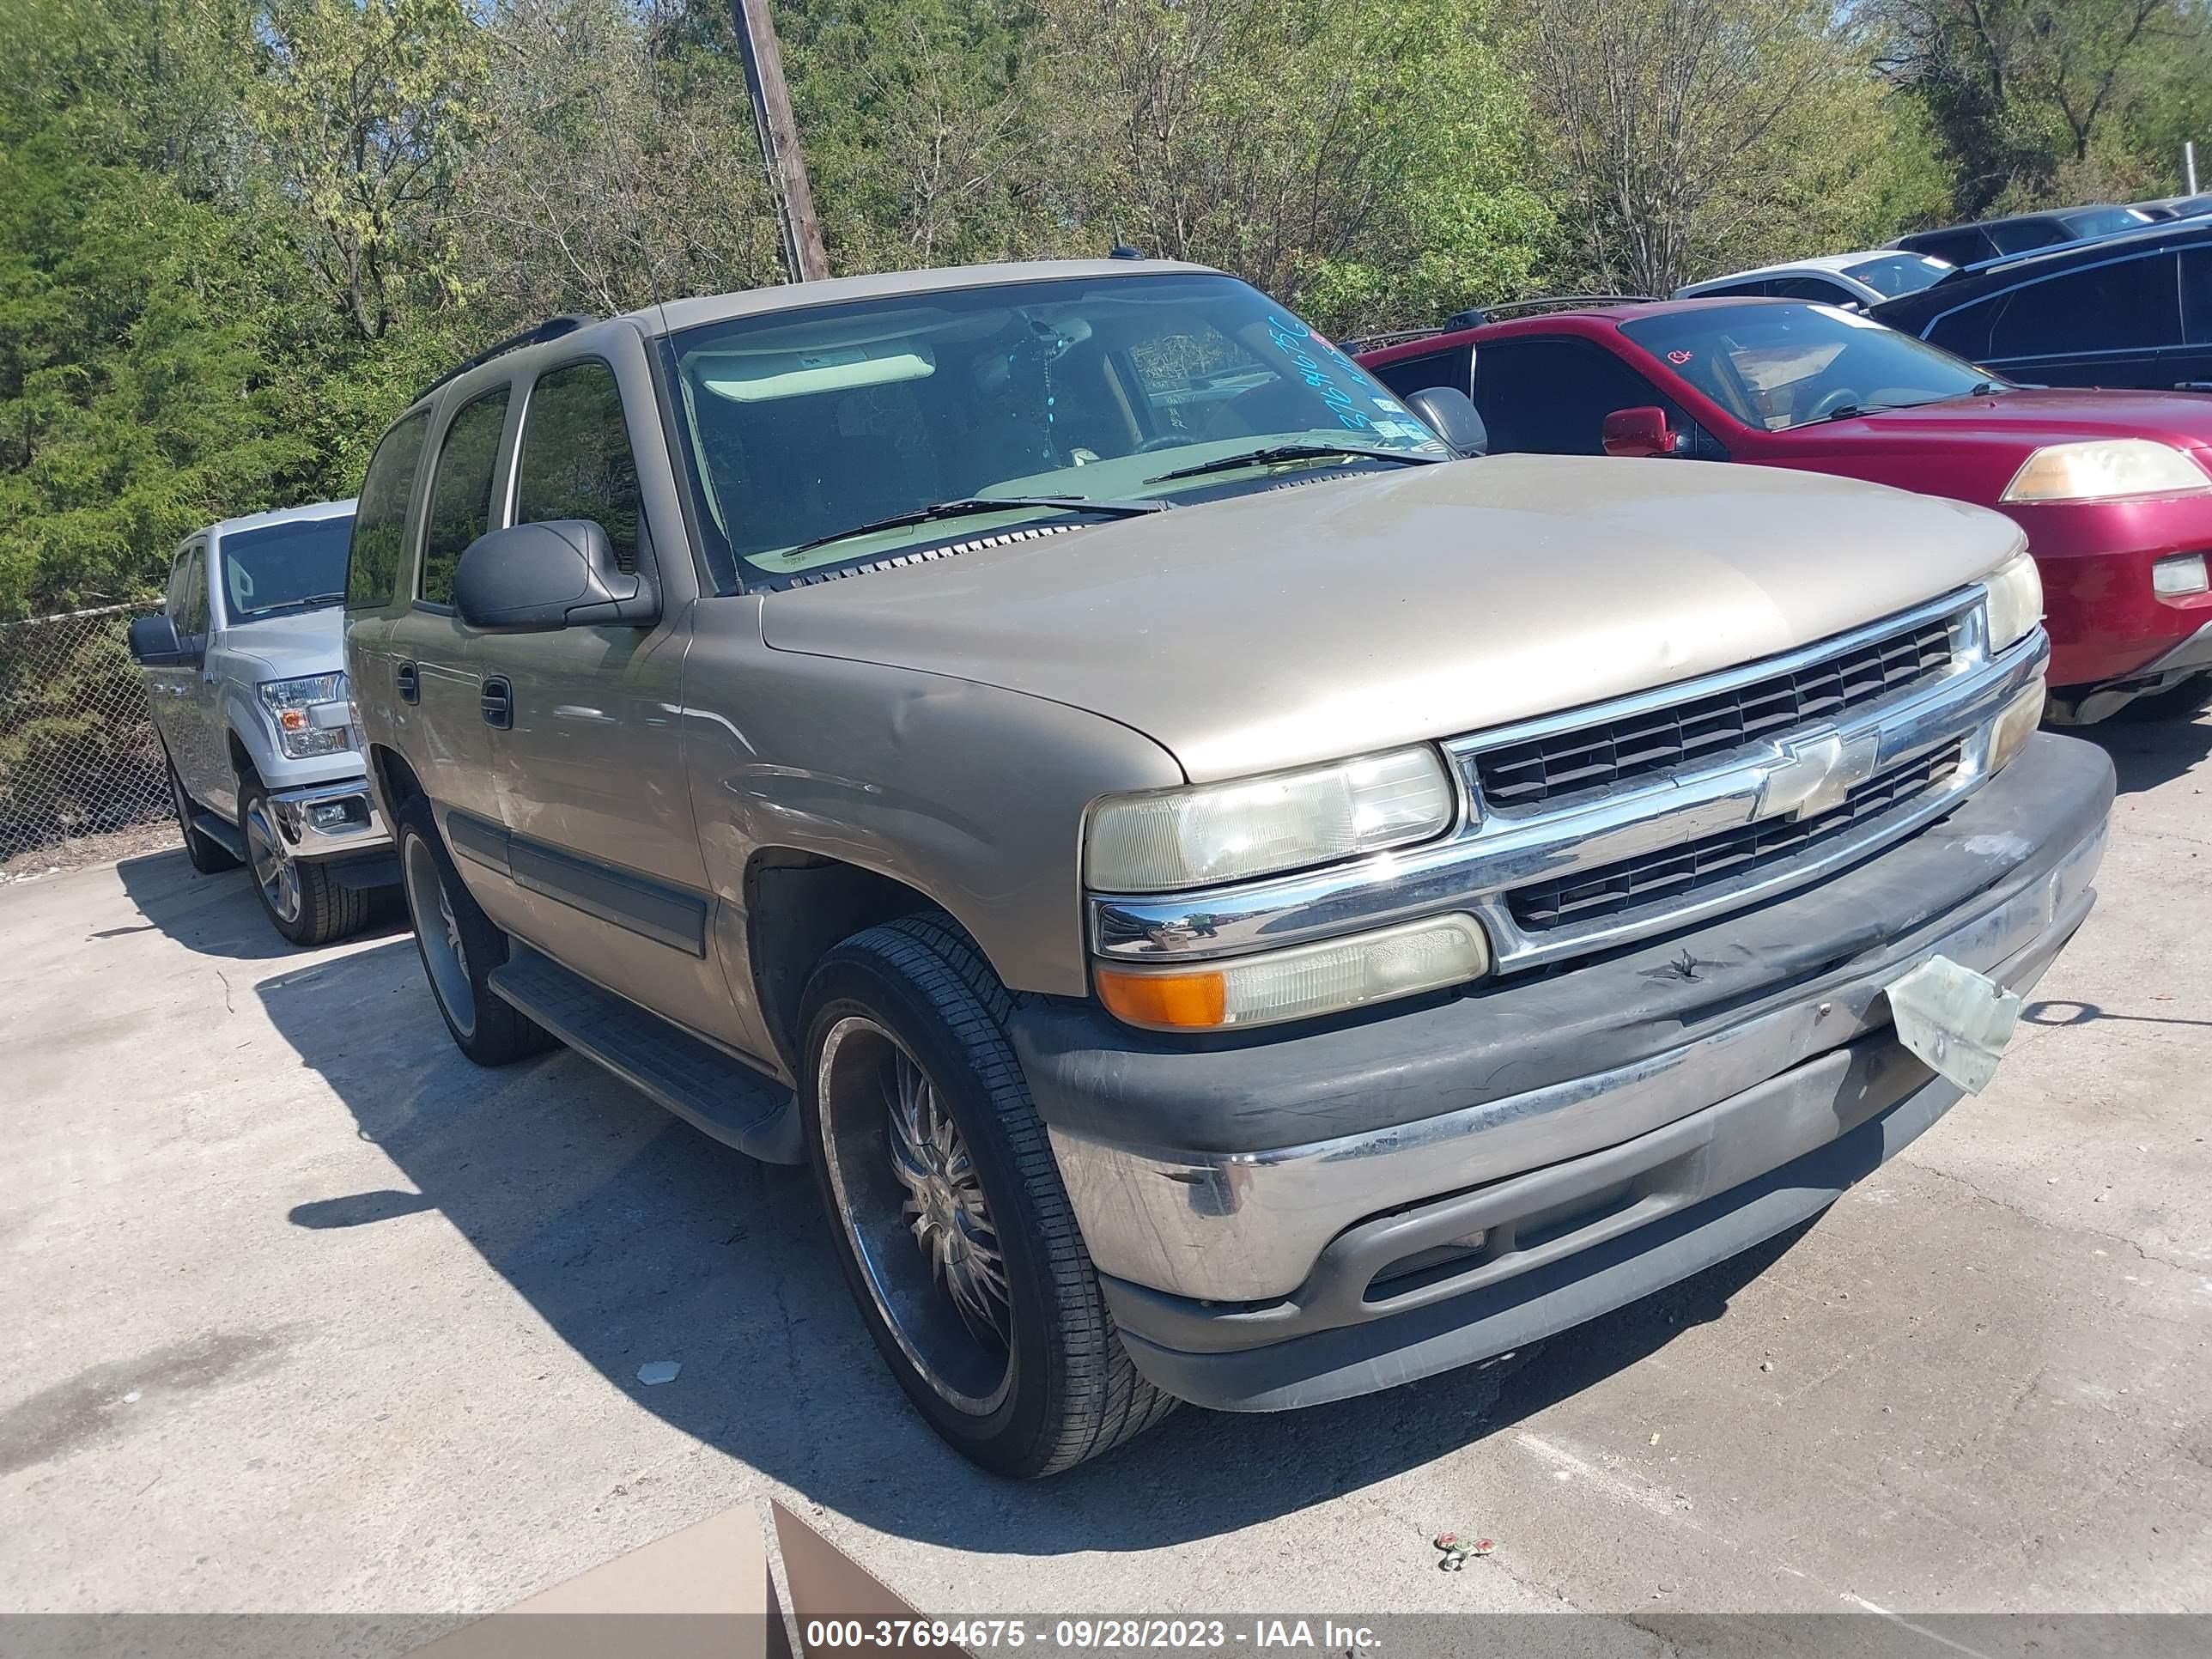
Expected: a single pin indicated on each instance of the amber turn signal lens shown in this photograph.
(1180, 1001)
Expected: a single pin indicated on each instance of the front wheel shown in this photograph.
(946, 1204)
(299, 895)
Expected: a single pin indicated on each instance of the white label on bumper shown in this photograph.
(1954, 1018)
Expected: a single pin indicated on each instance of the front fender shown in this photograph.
(971, 795)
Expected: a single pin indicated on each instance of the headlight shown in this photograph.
(2016, 602)
(2182, 574)
(1218, 832)
(311, 714)
(1302, 983)
(2105, 468)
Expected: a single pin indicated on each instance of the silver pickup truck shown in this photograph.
(244, 671)
(1233, 899)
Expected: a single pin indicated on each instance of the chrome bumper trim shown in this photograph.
(363, 829)
(1247, 1227)
(1475, 870)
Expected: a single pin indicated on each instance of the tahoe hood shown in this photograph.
(1295, 624)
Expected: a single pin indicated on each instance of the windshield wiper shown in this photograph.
(307, 603)
(1981, 389)
(1851, 410)
(969, 506)
(1295, 452)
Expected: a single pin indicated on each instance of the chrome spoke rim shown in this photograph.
(945, 1205)
(273, 863)
(911, 1198)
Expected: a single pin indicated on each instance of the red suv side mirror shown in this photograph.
(1637, 432)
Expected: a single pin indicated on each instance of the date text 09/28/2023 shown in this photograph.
(1084, 1635)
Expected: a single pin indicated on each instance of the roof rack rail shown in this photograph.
(1476, 316)
(552, 328)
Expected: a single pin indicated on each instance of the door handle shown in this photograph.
(497, 701)
(404, 681)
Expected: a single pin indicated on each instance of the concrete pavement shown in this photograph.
(307, 1314)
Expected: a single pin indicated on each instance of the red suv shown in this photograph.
(2114, 488)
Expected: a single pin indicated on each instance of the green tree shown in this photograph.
(1357, 153)
(135, 402)
(366, 110)
(2035, 100)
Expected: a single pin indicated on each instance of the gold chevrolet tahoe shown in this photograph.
(1232, 898)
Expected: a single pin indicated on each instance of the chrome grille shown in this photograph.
(1607, 752)
(1633, 883)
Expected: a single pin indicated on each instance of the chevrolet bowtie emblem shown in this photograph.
(1815, 771)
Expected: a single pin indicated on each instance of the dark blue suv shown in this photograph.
(2131, 310)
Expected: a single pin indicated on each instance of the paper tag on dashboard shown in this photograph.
(1957, 1020)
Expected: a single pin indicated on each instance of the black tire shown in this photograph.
(485, 1028)
(1068, 1391)
(298, 896)
(208, 857)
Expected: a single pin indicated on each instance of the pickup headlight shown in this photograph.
(2014, 603)
(1218, 832)
(311, 714)
(2105, 470)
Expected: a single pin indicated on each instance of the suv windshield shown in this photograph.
(803, 426)
(285, 567)
(1778, 364)
(2103, 221)
(1893, 274)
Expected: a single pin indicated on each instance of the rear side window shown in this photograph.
(2111, 308)
(2025, 235)
(1960, 247)
(576, 460)
(460, 492)
(188, 599)
(2196, 295)
(379, 523)
(1819, 289)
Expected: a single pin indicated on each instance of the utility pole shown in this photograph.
(2189, 166)
(804, 260)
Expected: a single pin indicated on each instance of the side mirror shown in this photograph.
(560, 574)
(1632, 432)
(1450, 415)
(154, 642)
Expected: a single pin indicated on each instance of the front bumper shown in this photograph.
(1542, 1150)
(331, 820)
(2184, 661)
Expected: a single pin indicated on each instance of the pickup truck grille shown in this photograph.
(1530, 772)
(1670, 875)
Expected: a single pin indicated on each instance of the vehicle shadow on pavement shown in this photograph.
(2151, 741)
(218, 915)
(638, 1239)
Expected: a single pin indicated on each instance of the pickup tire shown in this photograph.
(459, 945)
(298, 896)
(950, 1221)
(209, 857)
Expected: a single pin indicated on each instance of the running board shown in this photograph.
(222, 832)
(714, 1092)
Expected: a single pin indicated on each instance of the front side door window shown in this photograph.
(1550, 397)
(574, 461)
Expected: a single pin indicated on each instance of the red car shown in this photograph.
(2114, 488)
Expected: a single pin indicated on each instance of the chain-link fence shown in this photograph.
(78, 755)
